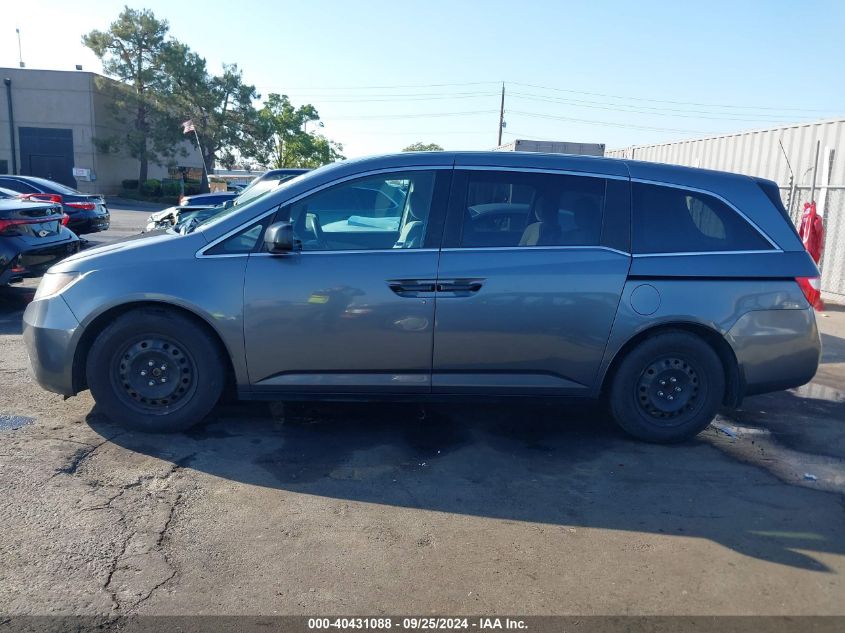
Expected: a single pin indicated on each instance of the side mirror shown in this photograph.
(228, 204)
(278, 238)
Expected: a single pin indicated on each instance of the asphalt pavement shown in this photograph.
(386, 509)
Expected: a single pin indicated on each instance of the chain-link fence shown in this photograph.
(830, 201)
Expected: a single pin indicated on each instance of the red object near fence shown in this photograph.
(811, 233)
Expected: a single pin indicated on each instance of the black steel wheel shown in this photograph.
(668, 388)
(154, 374)
(156, 370)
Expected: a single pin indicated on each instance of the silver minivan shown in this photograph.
(665, 291)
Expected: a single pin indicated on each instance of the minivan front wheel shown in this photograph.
(668, 388)
(155, 370)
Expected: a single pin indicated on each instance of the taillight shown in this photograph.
(65, 219)
(48, 197)
(82, 206)
(811, 287)
(7, 224)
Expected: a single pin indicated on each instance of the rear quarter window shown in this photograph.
(17, 185)
(676, 220)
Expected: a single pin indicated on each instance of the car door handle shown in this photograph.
(410, 287)
(460, 286)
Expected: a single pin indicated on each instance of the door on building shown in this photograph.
(47, 153)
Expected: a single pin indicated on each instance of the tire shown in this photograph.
(668, 388)
(155, 370)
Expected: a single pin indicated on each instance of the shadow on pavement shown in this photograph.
(833, 349)
(545, 464)
(13, 301)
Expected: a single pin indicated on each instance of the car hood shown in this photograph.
(155, 245)
(160, 215)
(202, 198)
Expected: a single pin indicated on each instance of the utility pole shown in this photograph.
(502, 114)
(8, 82)
(20, 56)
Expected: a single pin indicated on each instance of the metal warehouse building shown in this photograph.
(758, 153)
(49, 121)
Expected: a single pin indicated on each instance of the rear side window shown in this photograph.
(17, 185)
(773, 194)
(674, 220)
(522, 209)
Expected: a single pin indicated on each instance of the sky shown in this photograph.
(385, 74)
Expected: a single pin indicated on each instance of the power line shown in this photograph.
(314, 90)
(606, 123)
(393, 87)
(389, 99)
(669, 112)
(432, 133)
(421, 115)
(692, 103)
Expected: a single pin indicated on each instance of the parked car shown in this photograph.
(665, 291)
(207, 199)
(199, 206)
(33, 237)
(88, 212)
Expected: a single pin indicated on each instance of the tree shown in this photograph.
(133, 50)
(283, 141)
(423, 147)
(220, 106)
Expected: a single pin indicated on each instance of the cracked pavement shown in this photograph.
(354, 509)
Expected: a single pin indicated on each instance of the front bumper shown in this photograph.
(49, 333)
(776, 349)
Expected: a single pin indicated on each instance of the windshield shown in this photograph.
(251, 194)
(259, 187)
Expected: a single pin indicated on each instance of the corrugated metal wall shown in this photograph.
(755, 153)
(758, 153)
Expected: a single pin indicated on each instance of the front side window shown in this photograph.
(377, 212)
(522, 209)
(675, 220)
(242, 242)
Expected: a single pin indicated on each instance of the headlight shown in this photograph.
(54, 283)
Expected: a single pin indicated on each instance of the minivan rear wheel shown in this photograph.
(668, 388)
(155, 370)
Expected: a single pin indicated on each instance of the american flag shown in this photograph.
(188, 126)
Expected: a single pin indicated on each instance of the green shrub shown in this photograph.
(170, 189)
(130, 184)
(151, 188)
(192, 189)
